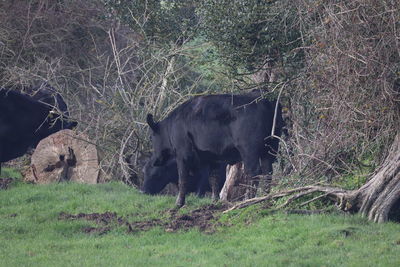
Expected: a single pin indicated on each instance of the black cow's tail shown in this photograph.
(192, 143)
(196, 158)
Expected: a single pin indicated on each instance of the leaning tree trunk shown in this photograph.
(377, 198)
(234, 189)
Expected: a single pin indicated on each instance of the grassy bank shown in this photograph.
(33, 233)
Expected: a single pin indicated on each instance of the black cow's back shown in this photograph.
(236, 118)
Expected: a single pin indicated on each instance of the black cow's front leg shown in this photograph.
(183, 178)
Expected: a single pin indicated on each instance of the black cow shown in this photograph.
(24, 121)
(204, 179)
(218, 128)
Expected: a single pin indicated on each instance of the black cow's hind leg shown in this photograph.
(252, 170)
(214, 183)
(183, 178)
(202, 184)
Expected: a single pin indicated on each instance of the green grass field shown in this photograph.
(32, 233)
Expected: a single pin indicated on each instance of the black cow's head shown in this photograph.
(58, 116)
(161, 149)
(157, 177)
(52, 124)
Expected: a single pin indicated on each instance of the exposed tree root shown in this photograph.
(376, 199)
(294, 194)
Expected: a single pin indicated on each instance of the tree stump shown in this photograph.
(235, 184)
(64, 156)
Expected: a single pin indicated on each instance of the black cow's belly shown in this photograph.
(228, 156)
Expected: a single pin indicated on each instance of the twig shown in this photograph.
(314, 199)
(303, 191)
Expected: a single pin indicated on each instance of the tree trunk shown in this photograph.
(380, 195)
(235, 185)
(231, 175)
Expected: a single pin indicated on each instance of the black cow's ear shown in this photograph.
(150, 121)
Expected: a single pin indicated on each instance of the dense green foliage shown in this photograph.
(250, 34)
(31, 233)
(247, 34)
(164, 21)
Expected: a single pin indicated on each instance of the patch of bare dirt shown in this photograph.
(134, 227)
(104, 220)
(203, 218)
(5, 183)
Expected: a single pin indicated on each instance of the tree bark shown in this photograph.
(235, 184)
(231, 175)
(377, 198)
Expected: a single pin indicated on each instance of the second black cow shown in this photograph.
(204, 179)
(212, 129)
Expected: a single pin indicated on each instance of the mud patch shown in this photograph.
(105, 220)
(5, 183)
(144, 225)
(204, 219)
